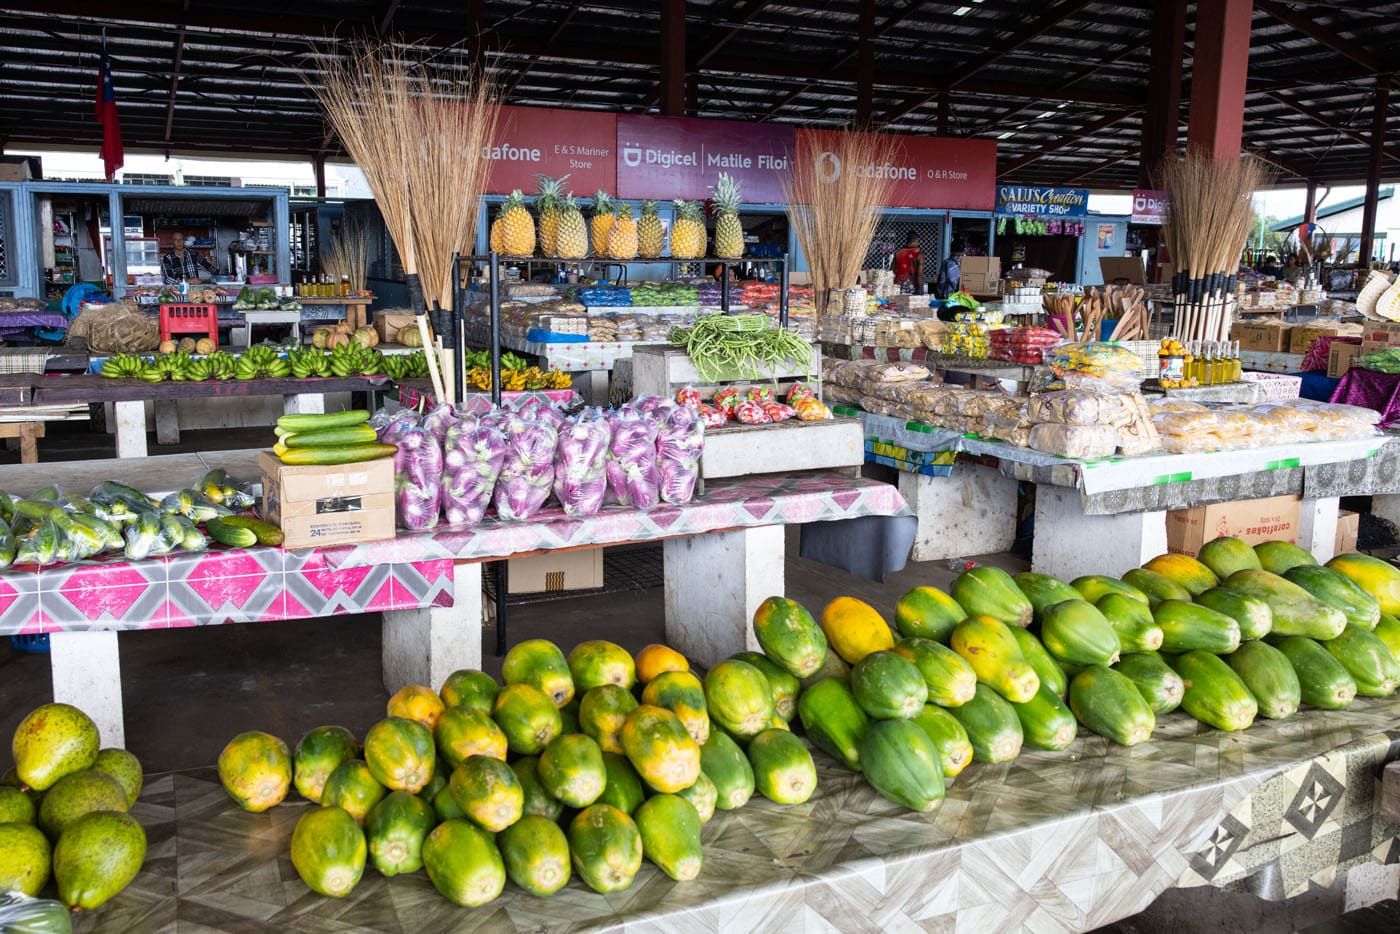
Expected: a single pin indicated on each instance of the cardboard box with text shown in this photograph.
(1261, 336)
(338, 504)
(1250, 520)
(561, 570)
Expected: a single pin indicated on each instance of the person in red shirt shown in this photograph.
(908, 264)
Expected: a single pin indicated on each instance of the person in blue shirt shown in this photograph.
(950, 273)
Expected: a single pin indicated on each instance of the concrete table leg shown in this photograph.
(1069, 544)
(426, 645)
(304, 403)
(593, 386)
(167, 422)
(713, 585)
(131, 428)
(973, 512)
(1317, 526)
(87, 674)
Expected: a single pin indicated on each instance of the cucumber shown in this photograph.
(1187, 627)
(321, 420)
(345, 454)
(1270, 678)
(1159, 685)
(233, 536)
(1253, 615)
(1322, 680)
(992, 726)
(1214, 695)
(1109, 704)
(1132, 620)
(266, 532)
(1046, 723)
(1366, 659)
(1050, 674)
(330, 437)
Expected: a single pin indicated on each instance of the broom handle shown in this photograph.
(429, 348)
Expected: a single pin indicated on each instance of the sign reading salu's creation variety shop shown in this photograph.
(1149, 206)
(1037, 201)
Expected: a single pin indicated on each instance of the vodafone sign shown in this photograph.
(534, 141)
(927, 171)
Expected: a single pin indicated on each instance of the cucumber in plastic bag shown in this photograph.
(225, 490)
(142, 537)
(192, 504)
(111, 534)
(7, 507)
(20, 914)
(79, 542)
(8, 547)
(40, 546)
(111, 493)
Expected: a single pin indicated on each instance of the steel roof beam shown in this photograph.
(1315, 30)
(1066, 139)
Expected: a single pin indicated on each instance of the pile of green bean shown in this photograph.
(739, 346)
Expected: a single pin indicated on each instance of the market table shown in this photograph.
(129, 396)
(1108, 515)
(1066, 841)
(723, 552)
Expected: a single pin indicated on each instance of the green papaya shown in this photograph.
(1279, 557)
(606, 848)
(464, 864)
(783, 770)
(902, 764)
(1132, 621)
(396, 828)
(99, 854)
(1251, 614)
(572, 771)
(1184, 570)
(1157, 587)
(887, 685)
(328, 851)
(703, 795)
(728, 768)
(542, 665)
(995, 656)
(353, 787)
(537, 799)
(785, 687)
(470, 688)
(1094, 587)
(1109, 703)
(1380, 579)
(1044, 591)
(989, 591)
(488, 792)
(1051, 675)
(670, 830)
(400, 754)
(528, 717)
(1364, 656)
(789, 636)
(739, 698)
(833, 720)
(1046, 723)
(1187, 627)
(317, 755)
(625, 790)
(1214, 694)
(1270, 678)
(1226, 555)
(446, 807)
(1156, 681)
(1295, 612)
(927, 613)
(991, 725)
(949, 677)
(949, 738)
(1336, 590)
(834, 667)
(536, 855)
(1076, 632)
(1323, 681)
(1388, 631)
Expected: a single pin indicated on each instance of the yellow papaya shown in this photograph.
(854, 629)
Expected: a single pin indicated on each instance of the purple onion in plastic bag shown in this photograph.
(631, 463)
(580, 478)
(536, 408)
(474, 405)
(679, 444)
(527, 474)
(417, 478)
(475, 449)
(439, 420)
(396, 425)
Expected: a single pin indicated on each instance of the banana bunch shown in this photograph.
(179, 365)
(558, 379)
(309, 362)
(355, 360)
(509, 361)
(396, 366)
(261, 362)
(165, 367)
(417, 365)
(123, 366)
(214, 366)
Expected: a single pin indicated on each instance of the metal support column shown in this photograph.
(1160, 123)
(1218, 73)
(1379, 112)
(1310, 206)
(865, 65)
(673, 57)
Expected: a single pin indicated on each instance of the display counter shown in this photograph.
(1066, 841)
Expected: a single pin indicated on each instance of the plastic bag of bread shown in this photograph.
(897, 392)
(1082, 407)
(897, 371)
(1138, 435)
(1075, 441)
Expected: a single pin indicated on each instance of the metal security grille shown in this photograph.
(306, 252)
(8, 277)
(890, 236)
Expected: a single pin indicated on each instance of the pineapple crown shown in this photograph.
(569, 203)
(648, 207)
(550, 191)
(622, 209)
(602, 202)
(726, 194)
(515, 200)
(687, 210)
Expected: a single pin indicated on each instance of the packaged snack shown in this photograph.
(1074, 441)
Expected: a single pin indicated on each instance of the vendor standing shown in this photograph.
(909, 265)
(182, 264)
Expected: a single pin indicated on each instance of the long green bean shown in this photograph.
(741, 344)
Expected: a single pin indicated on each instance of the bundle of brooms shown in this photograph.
(834, 206)
(1209, 220)
(346, 254)
(421, 133)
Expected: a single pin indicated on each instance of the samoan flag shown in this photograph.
(113, 156)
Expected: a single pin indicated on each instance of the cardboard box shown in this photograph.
(1250, 520)
(556, 570)
(387, 323)
(1341, 357)
(979, 274)
(338, 504)
(1301, 338)
(15, 169)
(1380, 335)
(1348, 525)
(1261, 336)
(1127, 268)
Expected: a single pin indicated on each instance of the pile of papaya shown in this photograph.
(581, 764)
(1003, 661)
(64, 813)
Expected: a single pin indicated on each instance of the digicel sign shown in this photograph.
(534, 141)
(681, 157)
(930, 171)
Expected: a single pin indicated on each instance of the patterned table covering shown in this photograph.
(1063, 841)
(240, 585)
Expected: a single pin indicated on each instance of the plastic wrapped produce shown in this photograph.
(1076, 441)
(679, 444)
(633, 479)
(1096, 365)
(478, 404)
(580, 476)
(474, 451)
(750, 412)
(439, 420)
(711, 416)
(391, 429)
(417, 478)
(527, 473)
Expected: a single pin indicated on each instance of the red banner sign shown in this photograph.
(1149, 207)
(932, 172)
(681, 157)
(534, 141)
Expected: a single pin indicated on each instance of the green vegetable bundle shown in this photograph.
(739, 347)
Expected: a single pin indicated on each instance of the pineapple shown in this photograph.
(497, 240)
(687, 231)
(651, 239)
(547, 208)
(622, 235)
(571, 240)
(517, 226)
(729, 233)
(602, 222)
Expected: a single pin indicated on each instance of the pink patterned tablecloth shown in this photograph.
(245, 585)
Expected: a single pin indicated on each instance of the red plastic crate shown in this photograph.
(189, 319)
